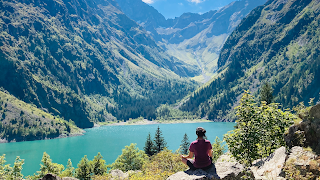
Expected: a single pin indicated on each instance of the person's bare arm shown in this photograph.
(210, 151)
(189, 156)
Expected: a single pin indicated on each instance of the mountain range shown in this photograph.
(276, 43)
(193, 38)
(81, 60)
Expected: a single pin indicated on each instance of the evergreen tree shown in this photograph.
(149, 146)
(48, 166)
(98, 165)
(266, 93)
(69, 171)
(218, 148)
(84, 169)
(185, 143)
(159, 142)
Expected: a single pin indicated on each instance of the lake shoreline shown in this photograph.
(80, 133)
(148, 122)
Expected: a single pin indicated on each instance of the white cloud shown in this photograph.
(196, 1)
(181, 4)
(148, 1)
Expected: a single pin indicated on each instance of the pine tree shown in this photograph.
(149, 146)
(48, 166)
(266, 93)
(185, 143)
(159, 142)
(84, 169)
(218, 149)
(98, 165)
(69, 171)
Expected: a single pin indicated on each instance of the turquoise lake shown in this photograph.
(108, 140)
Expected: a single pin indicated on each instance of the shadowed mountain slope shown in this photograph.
(276, 43)
(85, 60)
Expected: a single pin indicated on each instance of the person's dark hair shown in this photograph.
(201, 132)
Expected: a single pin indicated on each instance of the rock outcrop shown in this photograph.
(225, 168)
(307, 132)
(270, 167)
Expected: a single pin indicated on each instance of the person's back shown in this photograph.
(200, 149)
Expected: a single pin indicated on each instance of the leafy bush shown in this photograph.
(131, 159)
(259, 130)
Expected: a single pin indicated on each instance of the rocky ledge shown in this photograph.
(272, 167)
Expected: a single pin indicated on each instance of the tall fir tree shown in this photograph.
(185, 143)
(159, 142)
(149, 146)
(266, 93)
(84, 169)
(98, 165)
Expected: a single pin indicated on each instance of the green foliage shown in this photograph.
(159, 142)
(266, 93)
(11, 173)
(48, 166)
(69, 171)
(185, 143)
(84, 169)
(259, 130)
(131, 159)
(23, 122)
(98, 165)
(161, 166)
(15, 173)
(149, 146)
(217, 149)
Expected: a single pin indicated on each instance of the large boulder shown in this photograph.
(226, 168)
(196, 174)
(303, 163)
(307, 132)
(270, 167)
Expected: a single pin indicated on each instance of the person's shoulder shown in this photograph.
(195, 142)
(207, 141)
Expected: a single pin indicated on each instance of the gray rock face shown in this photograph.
(307, 132)
(226, 168)
(196, 174)
(270, 167)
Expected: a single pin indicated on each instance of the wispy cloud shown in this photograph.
(181, 4)
(148, 1)
(196, 1)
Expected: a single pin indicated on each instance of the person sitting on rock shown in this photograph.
(201, 149)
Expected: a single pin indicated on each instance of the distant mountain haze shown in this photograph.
(86, 61)
(175, 8)
(193, 38)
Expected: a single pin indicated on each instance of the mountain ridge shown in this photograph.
(276, 43)
(85, 61)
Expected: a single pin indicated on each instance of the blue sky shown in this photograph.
(174, 8)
